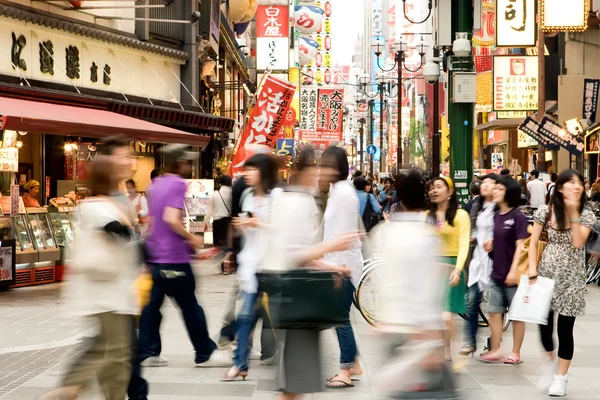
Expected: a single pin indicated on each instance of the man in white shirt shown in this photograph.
(537, 189)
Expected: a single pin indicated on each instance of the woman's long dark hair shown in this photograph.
(558, 201)
(268, 169)
(452, 205)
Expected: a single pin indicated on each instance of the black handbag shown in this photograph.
(303, 299)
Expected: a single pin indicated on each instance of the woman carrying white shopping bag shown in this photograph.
(563, 260)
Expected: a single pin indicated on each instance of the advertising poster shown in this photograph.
(590, 99)
(321, 111)
(515, 83)
(197, 195)
(7, 262)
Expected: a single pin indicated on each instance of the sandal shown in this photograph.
(232, 375)
(467, 350)
(344, 385)
(513, 360)
(352, 379)
(491, 358)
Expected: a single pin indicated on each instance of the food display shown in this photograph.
(22, 233)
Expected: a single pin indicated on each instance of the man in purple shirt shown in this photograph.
(169, 248)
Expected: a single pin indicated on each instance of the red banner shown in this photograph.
(267, 117)
(272, 21)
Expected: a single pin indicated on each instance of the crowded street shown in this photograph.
(38, 343)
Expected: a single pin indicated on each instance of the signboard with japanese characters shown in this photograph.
(564, 16)
(532, 129)
(515, 23)
(272, 40)
(8, 261)
(266, 118)
(321, 113)
(9, 159)
(555, 132)
(285, 147)
(524, 140)
(590, 99)
(515, 83)
(591, 142)
(308, 107)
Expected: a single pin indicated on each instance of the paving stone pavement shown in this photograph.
(38, 340)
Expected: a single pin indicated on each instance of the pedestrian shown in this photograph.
(103, 263)
(510, 232)
(387, 197)
(369, 208)
(454, 227)
(342, 217)
(525, 195)
(480, 268)
(568, 222)
(261, 175)
(551, 187)
(475, 190)
(170, 248)
(588, 190)
(293, 245)
(411, 297)
(219, 210)
(537, 189)
(138, 201)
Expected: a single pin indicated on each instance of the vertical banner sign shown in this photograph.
(322, 114)
(272, 39)
(515, 23)
(590, 99)
(308, 108)
(266, 118)
(14, 200)
(319, 70)
(553, 131)
(515, 83)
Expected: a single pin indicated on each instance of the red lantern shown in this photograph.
(328, 9)
(327, 43)
(327, 76)
(319, 59)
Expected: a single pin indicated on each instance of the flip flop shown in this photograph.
(512, 360)
(343, 386)
(490, 358)
(352, 379)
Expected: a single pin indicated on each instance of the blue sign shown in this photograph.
(371, 149)
(590, 99)
(285, 147)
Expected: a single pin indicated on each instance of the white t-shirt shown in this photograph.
(480, 268)
(537, 189)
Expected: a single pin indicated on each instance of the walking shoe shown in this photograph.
(156, 361)
(253, 354)
(218, 358)
(269, 360)
(547, 371)
(559, 386)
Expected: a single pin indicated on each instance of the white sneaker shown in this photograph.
(559, 386)
(156, 361)
(219, 358)
(546, 372)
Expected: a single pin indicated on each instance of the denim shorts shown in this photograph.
(500, 297)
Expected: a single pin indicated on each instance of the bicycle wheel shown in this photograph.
(368, 294)
(484, 315)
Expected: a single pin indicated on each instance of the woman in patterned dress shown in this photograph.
(568, 223)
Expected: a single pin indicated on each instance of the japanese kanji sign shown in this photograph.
(590, 99)
(532, 128)
(515, 83)
(9, 159)
(515, 23)
(272, 38)
(285, 147)
(553, 131)
(266, 118)
(321, 113)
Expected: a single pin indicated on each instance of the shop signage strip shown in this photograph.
(266, 118)
(590, 99)
(515, 83)
(572, 143)
(272, 38)
(515, 23)
(532, 128)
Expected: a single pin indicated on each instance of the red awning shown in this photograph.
(54, 119)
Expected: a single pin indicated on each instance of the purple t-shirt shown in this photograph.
(508, 228)
(162, 244)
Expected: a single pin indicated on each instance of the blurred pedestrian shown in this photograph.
(525, 195)
(170, 248)
(537, 189)
(475, 190)
(261, 175)
(342, 217)
(568, 222)
(454, 227)
(480, 268)
(510, 232)
(387, 196)
(369, 208)
(219, 210)
(410, 315)
(138, 201)
(103, 264)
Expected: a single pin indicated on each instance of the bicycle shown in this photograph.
(366, 297)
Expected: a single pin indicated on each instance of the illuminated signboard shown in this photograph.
(564, 16)
(515, 83)
(515, 23)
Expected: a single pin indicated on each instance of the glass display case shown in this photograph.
(63, 228)
(17, 228)
(42, 233)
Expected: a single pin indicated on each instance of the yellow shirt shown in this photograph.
(456, 239)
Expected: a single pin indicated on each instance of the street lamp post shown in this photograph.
(362, 141)
(371, 137)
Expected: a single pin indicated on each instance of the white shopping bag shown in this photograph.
(532, 302)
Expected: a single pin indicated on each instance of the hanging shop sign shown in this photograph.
(486, 36)
(590, 99)
(285, 147)
(515, 23)
(554, 131)
(591, 142)
(515, 83)
(564, 16)
(272, 38)
(9, 159)
(321, 113)
(51, 56)
(266, 118)
(315, 55)
(532, 129)
(496, 137)
(309, 19)
(524, 140)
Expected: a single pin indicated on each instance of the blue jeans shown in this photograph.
(246, 320)
(345, 334)
(176, 281)
(473, 303)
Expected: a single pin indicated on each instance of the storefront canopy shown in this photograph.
(500, 124)
(54, 119)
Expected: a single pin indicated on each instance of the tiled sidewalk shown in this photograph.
(37, 338)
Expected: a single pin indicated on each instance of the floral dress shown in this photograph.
(565, 264)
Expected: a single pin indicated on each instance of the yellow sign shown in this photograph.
(445, 140)
(327, 26)
(294, 77)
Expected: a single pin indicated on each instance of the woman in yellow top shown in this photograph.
(454, 227)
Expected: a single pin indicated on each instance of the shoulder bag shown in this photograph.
(523, 265)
